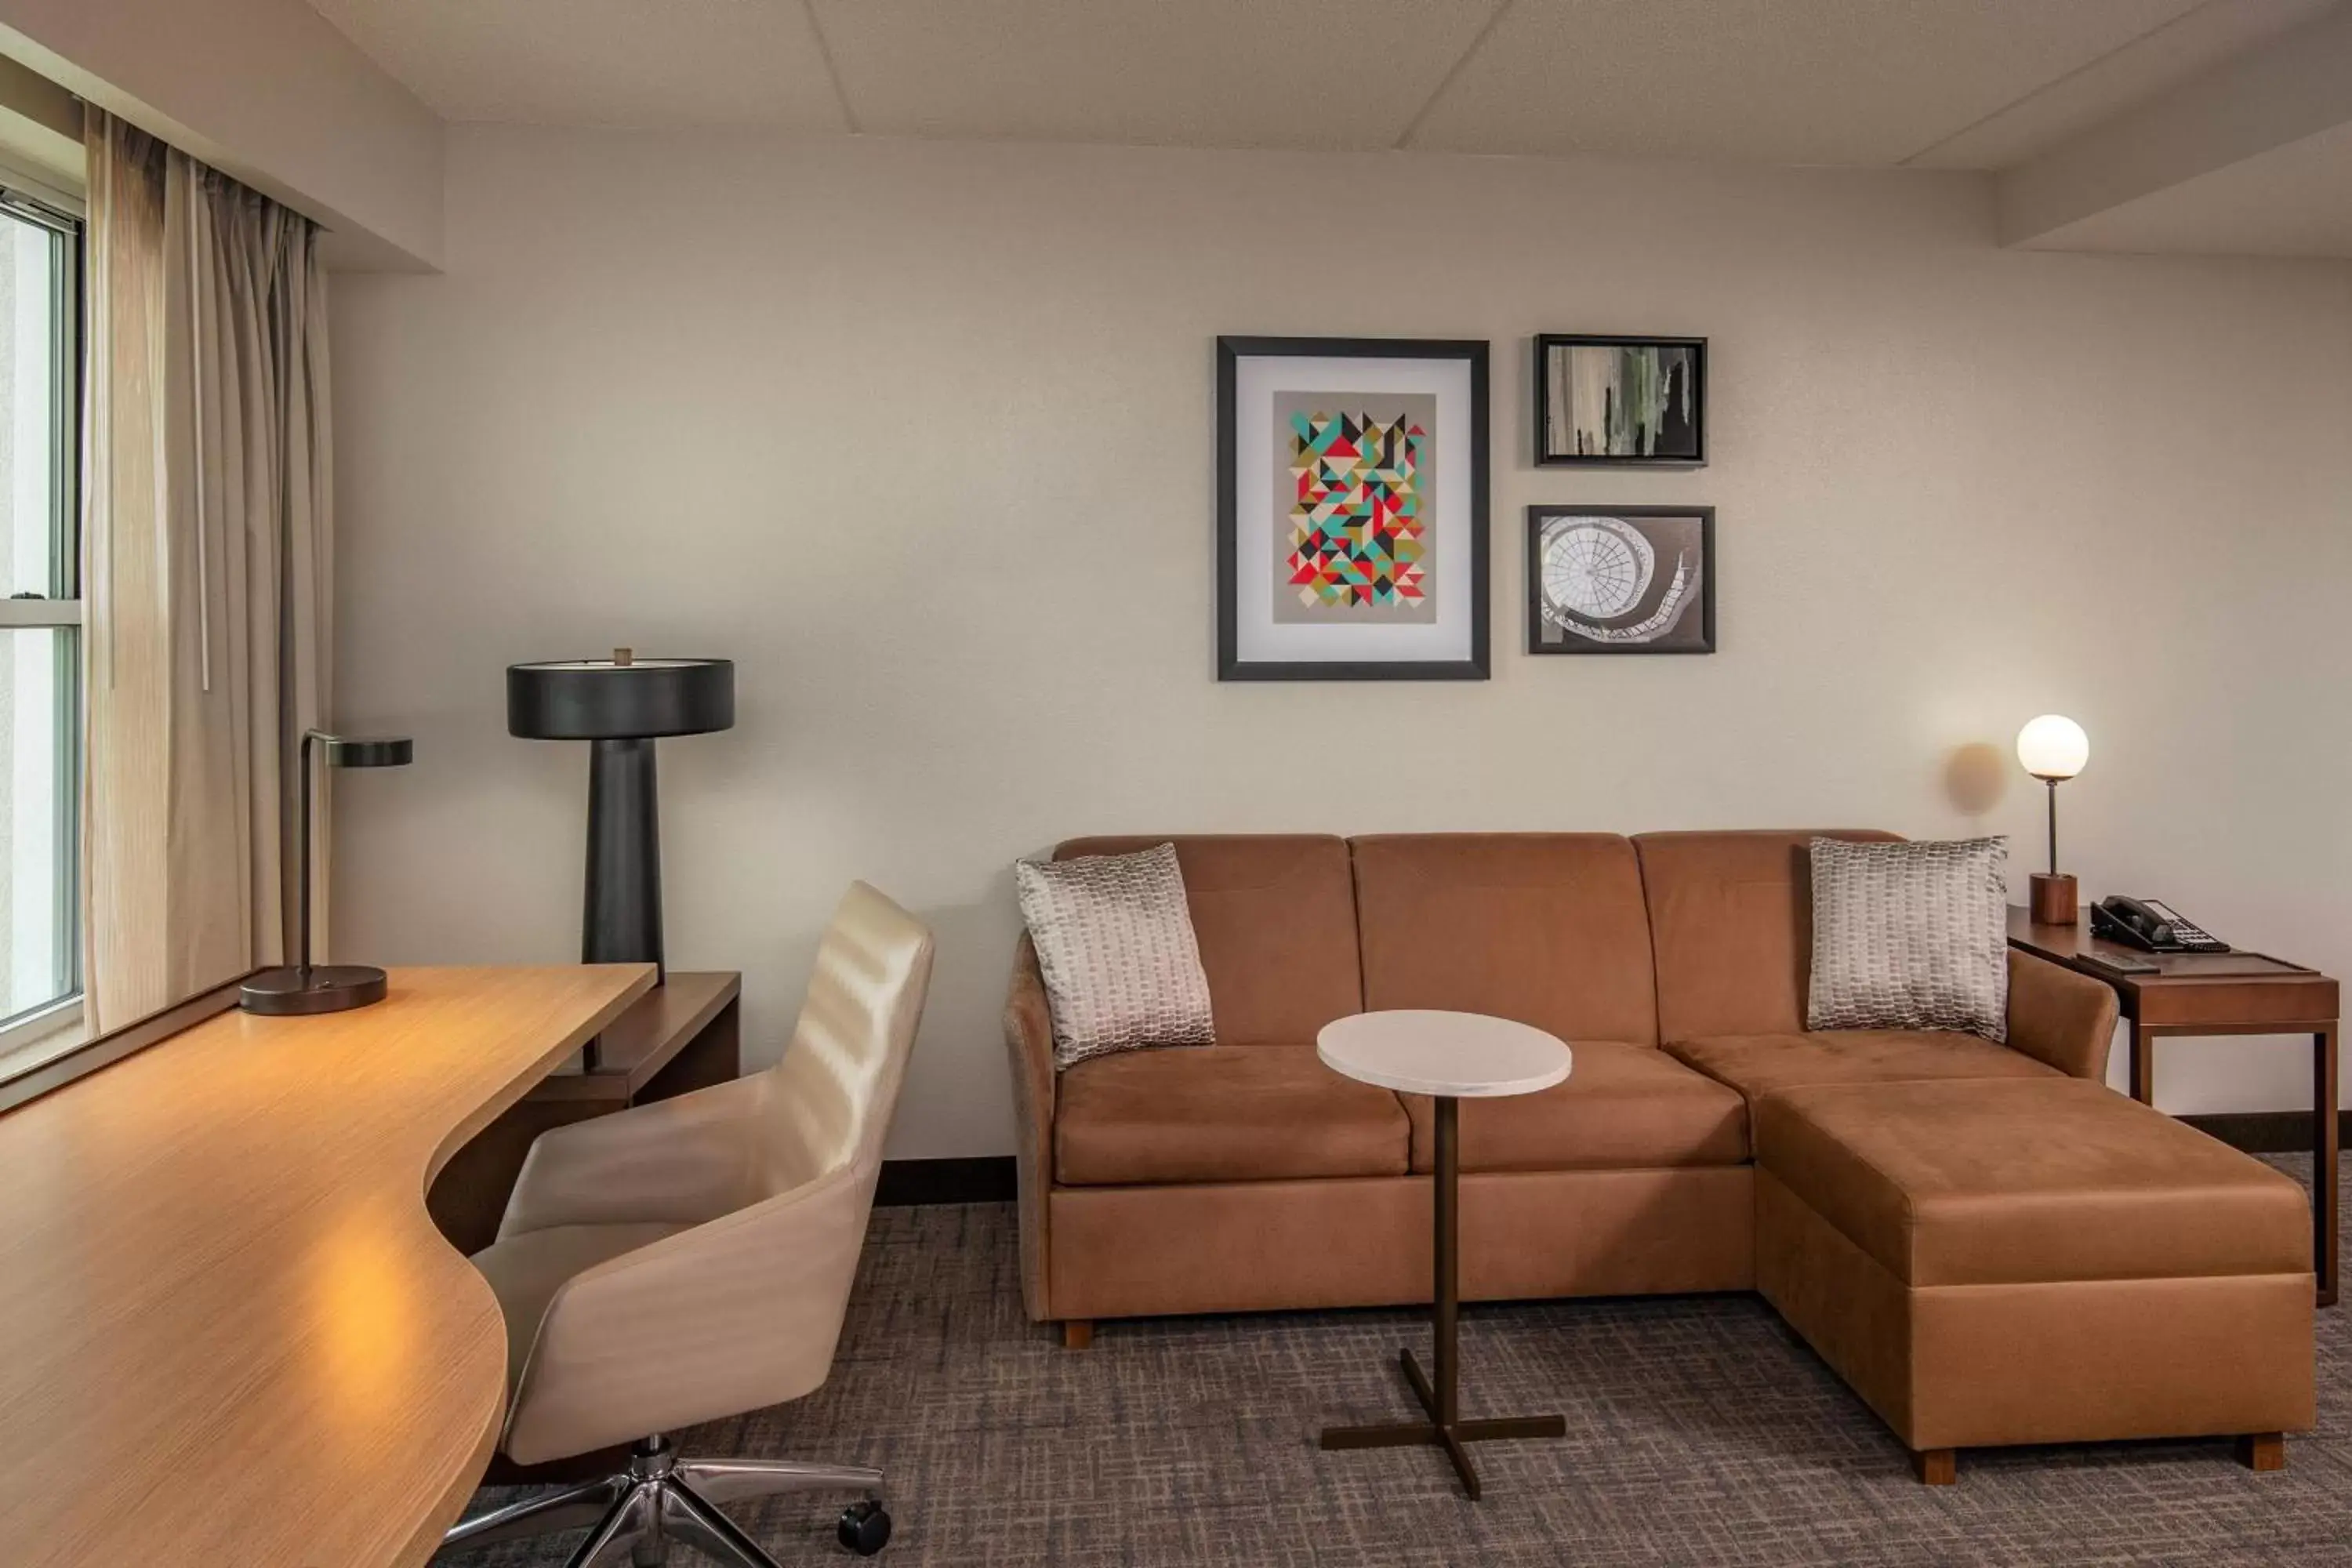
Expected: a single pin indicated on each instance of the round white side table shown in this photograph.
(1449, 1056)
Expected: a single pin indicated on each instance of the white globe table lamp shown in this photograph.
(2054, 749)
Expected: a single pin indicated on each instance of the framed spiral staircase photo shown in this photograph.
(1627, 579)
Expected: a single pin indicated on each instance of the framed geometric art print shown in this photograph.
(1351, 508)
(1624, 579)
(1611, 401)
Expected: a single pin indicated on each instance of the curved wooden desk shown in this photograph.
(228, 1331)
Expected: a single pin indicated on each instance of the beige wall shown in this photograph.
(920, 435)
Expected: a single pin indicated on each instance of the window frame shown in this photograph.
(62, 609)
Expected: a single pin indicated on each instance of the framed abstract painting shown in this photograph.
(1624, 579)
(1351, 508)
(1603, 402)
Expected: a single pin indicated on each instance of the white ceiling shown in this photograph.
(1218, 73)
(1955, 83)
(2180, 125)
(1824, 81)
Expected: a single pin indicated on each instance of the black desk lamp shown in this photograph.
(620, 706)
(303, 987)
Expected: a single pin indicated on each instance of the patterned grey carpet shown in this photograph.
(1700, 1431)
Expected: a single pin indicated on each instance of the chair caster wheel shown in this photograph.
(865, 1528)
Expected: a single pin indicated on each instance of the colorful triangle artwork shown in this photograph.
(1356, 523)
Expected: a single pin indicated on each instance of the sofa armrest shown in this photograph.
(2059, 1017)
(1029, 1042)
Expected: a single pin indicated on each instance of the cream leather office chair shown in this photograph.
(692, 1259)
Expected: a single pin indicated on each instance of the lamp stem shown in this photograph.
(2054, 824)
(302, 893)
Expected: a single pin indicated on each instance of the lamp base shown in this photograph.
(2052, 900)
(320, 988)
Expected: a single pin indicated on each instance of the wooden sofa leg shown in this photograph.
(1937, 1466)
(2262, 1450)
(1077, 1333)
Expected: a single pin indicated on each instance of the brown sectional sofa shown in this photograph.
(1980, 1238)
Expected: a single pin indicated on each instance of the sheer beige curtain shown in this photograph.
(206, 568)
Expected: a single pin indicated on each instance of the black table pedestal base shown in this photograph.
(1448, 1434)
(1440, 1399)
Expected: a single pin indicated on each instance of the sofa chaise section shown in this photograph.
(2034, 1260)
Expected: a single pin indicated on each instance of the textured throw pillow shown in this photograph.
(1910, 936)
(1115, 943)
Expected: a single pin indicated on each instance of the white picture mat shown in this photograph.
(1257, 524)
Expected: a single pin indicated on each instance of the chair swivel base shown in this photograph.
(661, 1500)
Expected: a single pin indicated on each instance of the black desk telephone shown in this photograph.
(2153, 927)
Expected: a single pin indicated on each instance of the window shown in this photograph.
(40, 620)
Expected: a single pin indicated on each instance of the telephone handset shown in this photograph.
(2151, 926)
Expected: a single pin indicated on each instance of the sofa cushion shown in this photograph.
(1623, 1108)
(1274, 919)
(2024, 1181)
(1731, 917)
(1114, 942)
(1910, 936)
(1546, 928)
(1222, 1113)
(1763, 1064)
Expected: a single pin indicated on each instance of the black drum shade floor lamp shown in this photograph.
(304, 986)
(620, 706)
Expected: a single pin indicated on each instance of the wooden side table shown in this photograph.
(2218, 994)
(1447, 1056)
(682, 1036)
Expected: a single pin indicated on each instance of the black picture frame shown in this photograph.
(1546, 457)
(1231, 350)
(1538, 516)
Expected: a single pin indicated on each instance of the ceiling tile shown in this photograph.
(1781, 81)
(1217, 73)
(601, 62)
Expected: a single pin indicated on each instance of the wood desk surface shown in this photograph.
(228, 1331)
(2249, 991)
